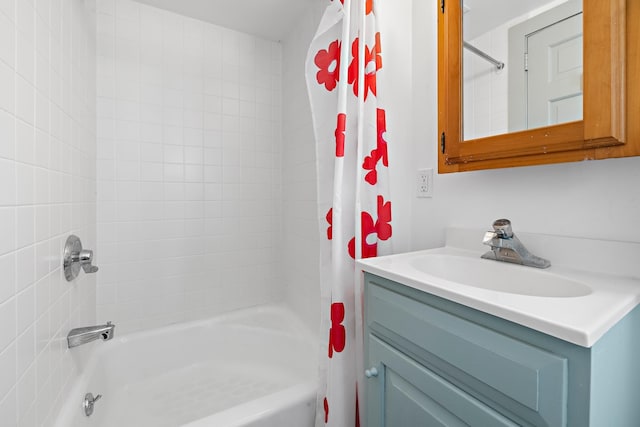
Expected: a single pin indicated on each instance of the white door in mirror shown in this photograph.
(554, 73)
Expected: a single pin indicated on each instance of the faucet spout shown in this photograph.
(87, 334)
(506, 247)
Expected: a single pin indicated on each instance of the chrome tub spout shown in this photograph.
(87, 334)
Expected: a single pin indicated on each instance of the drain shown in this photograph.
(88, 402)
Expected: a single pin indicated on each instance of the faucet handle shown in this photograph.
(488, 238)
(75, 257)
(85, 258)
(502, 228)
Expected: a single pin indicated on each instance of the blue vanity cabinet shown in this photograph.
(433, 362)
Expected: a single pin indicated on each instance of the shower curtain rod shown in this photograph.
(499, 65)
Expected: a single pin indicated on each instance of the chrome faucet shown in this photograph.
(506, 247)
(87, 334)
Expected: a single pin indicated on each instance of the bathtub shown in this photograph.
(254, 367)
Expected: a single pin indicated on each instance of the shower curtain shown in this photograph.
(344, 69)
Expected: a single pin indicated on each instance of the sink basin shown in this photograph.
(498, 276)
(591, 286)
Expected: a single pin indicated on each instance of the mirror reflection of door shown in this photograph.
(545, 79)
(497, 100)
(554, 73)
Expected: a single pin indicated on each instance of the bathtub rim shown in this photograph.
(260, 408)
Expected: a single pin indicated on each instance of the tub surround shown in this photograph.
(300, 238)
(607, 269)
(47, 192)
(188, 179)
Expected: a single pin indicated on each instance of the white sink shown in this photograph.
(590, 286)
(498, 276)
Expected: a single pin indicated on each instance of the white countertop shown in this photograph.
(581, 320)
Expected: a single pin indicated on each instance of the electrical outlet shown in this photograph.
(424, 183)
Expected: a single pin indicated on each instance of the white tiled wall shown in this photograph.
(189, 161)
(301, 233)
(485, 87)
(47, 191)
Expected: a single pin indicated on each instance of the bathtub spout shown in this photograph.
(87, 334)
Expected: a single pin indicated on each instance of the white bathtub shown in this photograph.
(254, 367)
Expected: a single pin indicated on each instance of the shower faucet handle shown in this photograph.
(85, 258)
(75, 257)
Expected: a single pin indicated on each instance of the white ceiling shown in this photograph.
(270, 19)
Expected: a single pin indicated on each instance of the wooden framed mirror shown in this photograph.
(602, 125)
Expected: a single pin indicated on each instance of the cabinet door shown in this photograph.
(405, 393)
(521, 378)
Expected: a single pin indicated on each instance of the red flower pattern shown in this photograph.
(326, 410)
(337, 332)
(357, 408)
(369, 7)
(373, 62)
(341, 126)
(381, 228)
(375, 226)
(379, 153)
(368, 227)
(328, 61)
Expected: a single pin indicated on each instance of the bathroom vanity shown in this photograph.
(439, 352)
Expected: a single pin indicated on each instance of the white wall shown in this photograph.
(301, 250)
(594, 199)
(396, 92)
(47, 192)
(189, 158)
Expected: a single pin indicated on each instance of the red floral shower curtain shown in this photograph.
(344, 69)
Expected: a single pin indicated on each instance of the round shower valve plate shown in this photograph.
(71, 268)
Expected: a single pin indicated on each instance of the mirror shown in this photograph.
(588, 121)
(522, 65)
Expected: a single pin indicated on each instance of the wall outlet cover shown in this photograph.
(424, 183)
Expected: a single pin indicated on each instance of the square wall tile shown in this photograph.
(187, 123)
